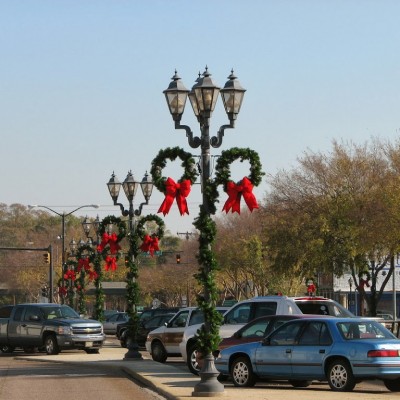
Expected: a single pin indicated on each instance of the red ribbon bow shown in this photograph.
(83, 263)
(111, 240)
(111, 263)
(178, 191)
(363, 282)
(93, 275)
(150, 244)
(235, 192)
(70, 274)
(62, 291)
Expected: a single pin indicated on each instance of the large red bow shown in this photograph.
(111, 263)
(363, 282)
(62, 291)
(150, 244)
(235, 192)
(112, 240)
(93, 275)
(70, 274)
(83, 263)
(175, 190)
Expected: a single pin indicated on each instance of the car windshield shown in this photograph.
(323, 308)
(59, 312)
(364, 330)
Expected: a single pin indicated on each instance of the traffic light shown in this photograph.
(44, 291)
(178, 258)
(46, 257)
(126, 261)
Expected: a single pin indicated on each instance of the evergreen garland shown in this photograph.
(141, 230)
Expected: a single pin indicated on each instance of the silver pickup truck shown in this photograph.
(52, 327)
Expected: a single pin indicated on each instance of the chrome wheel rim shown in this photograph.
(338, 376)
(240, 373)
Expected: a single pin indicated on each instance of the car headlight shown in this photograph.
(64, 330)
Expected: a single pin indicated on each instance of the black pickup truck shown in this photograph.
(52, 327)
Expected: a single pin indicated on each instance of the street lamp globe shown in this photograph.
(147, 186)
(130, 186)
(205, 95)
(114, 186)
(176, 96)
(232, 96)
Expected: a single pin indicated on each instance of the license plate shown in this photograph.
(89, 344)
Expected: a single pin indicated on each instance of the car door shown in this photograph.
(310, 350)
(174, 331)
(31, 326)
(274, 358)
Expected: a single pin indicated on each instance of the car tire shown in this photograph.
(7, 349)
(340, 376)
(242, 374)
(158, 352)
(122, 339)
(300, 383)
(392, 384)
(51, 345)
(192, 361)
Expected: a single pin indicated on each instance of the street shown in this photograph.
(32, 380)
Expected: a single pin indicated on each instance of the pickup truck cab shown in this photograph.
(53, 327)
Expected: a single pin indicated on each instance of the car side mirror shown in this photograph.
(266, 341)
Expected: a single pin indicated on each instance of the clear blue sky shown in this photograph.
(81, 87)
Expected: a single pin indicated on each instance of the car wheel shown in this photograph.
(158, 352)
(340, 376)
(192, 360)
(7, 349)
(122, 339)
(392, 384)
(300, 384)
(242, 372)
(50, 343)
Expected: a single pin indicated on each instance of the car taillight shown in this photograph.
(384, 353)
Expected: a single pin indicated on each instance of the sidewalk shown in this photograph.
(175, 384)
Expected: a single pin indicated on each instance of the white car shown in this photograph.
(164, 341)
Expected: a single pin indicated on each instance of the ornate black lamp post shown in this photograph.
(203, 97)
(130, 187)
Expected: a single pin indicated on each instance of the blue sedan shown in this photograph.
(342, 351)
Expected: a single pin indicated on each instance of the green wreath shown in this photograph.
(227, 157)
(114, 221)
(86, 248)
(141, 231)
(171, 153)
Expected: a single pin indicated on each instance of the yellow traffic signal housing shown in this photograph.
(46, 257)
(178, 258)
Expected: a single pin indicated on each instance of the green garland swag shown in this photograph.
(160, 162)
(70, 284)
(141, 230)
(227, 157)
(114, 221)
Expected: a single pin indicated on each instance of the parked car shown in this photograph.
(321, 306)
(164, 341)
(144, 317)
(112, 321)
(257, 329)
(235, 318)
(144, 329)
(342, 351)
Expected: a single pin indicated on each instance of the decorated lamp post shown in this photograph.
(63, 215)
(203, 98)
(130, 187)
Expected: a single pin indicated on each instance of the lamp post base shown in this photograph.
(133, 351)
(209, 386)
